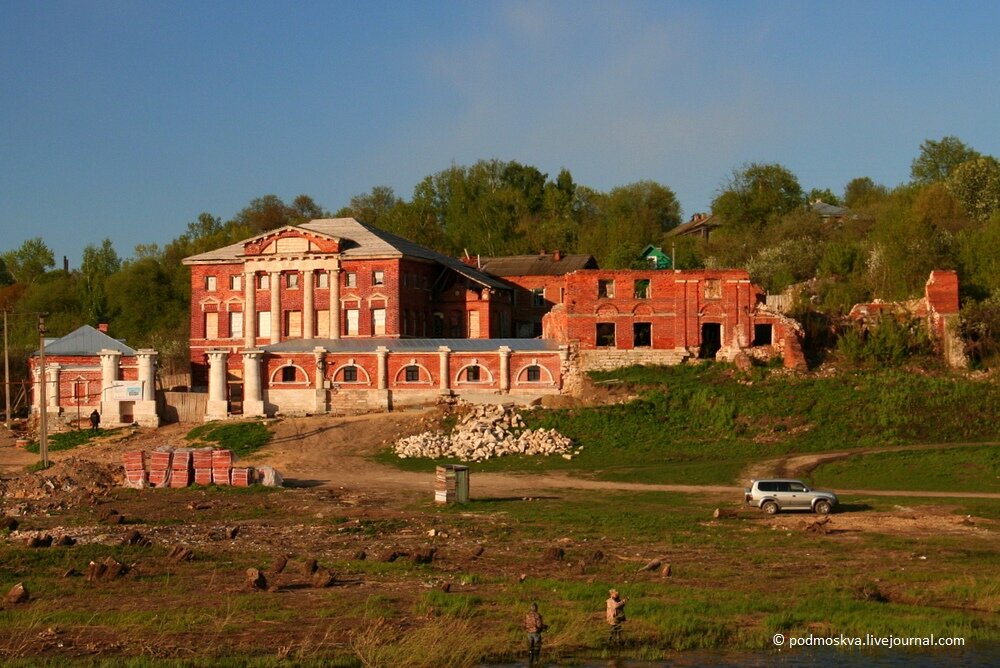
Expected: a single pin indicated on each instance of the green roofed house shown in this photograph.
(655, 258)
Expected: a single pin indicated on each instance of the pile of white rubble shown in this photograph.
(486, 432)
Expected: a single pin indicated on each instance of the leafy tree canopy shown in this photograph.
(756, 194)
(30, 261)
(937, 159)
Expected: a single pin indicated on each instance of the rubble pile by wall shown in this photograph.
(486, 432)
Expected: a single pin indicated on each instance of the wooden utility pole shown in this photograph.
(43, 409)
(6, 374)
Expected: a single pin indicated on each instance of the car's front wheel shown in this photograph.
(822, 507)
(769, 507)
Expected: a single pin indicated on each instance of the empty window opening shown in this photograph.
(412, 374)
(287, 374)
(606, 334)
(534, 374)
(641, 289)
(763, 335)
(472, 374)
(642, 336)
(605, 288)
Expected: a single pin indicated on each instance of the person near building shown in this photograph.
(95, 421)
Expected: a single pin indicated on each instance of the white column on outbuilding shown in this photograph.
(443, 353)
(383, 366)
(504, 369)
(253, 395)
(335, 300)
(308, 309)
(147, 373)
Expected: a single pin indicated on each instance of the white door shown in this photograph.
(352, 322)
(378, 321)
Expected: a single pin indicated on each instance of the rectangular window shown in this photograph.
(236, 282)
(80, 391)
(263, 282)
(352, 321)
(605, 288)
(322, 280)
(534, 374)
(406, 280)
(412, 374)
(641, 289)
(322, 321)
(235, 325)
(606, 334)
(292, 281)
(350, 374)
(538, 297)
(378, 278)
(472, 374)
(642, 335)
(210, 283)
(350, 280)
(713, 288)
(287, 374)
(211, 325)
(378, 321)
(293, 324)
(264, 324)
(763, 335)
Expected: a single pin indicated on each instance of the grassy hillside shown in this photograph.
(705, 423)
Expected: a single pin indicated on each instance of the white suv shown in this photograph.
(783, 494)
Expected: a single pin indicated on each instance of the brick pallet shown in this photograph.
(135, 468)
(184, 466)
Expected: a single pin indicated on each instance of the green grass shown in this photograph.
(971, 469)
(243, 438)
(67, 440)
(703, 424)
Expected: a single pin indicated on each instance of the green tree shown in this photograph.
(757, 194)
(30, 261)
(862, 192)
(372, 208)
(823, 195)
(976, 184)
(99, 263)
(937, 159)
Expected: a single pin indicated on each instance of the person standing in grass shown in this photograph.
(95, 421)
(615, 616)
(534, 626)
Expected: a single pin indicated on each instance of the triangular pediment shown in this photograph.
(291, 240)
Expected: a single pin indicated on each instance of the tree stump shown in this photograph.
(725, 514)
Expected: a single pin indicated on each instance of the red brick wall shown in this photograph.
(942, 291)
(678, 303)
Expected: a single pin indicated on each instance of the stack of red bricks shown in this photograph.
(180, 470)
(135, 469)
(184, 466)
(203, 466)
(159, 467)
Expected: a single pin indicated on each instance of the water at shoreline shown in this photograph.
(979, 657)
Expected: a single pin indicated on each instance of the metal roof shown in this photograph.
(536, 265)
(360, 241)
(85, 340)
(368, 345)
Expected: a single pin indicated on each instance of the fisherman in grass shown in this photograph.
(534, 626)
(615, 616)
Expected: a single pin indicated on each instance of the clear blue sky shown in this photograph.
(126, 119)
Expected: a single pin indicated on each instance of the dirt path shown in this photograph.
(335, 452)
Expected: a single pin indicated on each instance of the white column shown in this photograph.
(308, 310)
(504, 369)
(249, 310)
(36, 391)
(218, 407)
(147, 373)
(110, 364)
(53, 389)
(383, 375)
(275, 306)
(443, 353)
(253, 396)
(320, 354)
(335, 301)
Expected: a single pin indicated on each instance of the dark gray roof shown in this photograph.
(363, 345)
(694, 225)
(536, 265)
(360, 241)
(85, 340)
(829, 210)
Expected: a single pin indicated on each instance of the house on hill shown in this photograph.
(87, 370)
